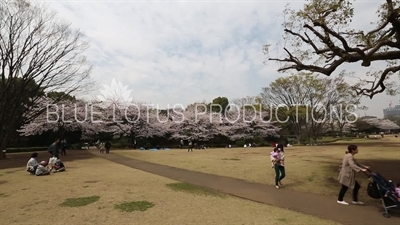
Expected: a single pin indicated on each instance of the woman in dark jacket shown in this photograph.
(108, 147)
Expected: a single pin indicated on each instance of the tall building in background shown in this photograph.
(391, 112)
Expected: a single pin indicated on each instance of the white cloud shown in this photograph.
(182, 52)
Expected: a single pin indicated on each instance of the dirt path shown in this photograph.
(320, 206)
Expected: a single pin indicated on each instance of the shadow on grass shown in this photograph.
(193, 189)
(79, 202)
(3, 195)
(134, 206)
(233, 159)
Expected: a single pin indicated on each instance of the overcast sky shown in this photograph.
(183, 52)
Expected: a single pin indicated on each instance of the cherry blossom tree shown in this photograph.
(383, 124)
(66, 115)
(194, 123)
(369, 123)
(133, 120)
(246, 124)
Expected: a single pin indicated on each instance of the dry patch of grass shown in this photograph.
(30, 197)
(308, 168)
(193, 189)
(234, 159)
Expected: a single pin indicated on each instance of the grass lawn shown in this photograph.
(97, 191)
(308, 168)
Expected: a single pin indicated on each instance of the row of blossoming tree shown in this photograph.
(139, 120)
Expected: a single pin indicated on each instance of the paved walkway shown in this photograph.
(307, 203)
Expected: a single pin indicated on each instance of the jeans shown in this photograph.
(344, 189)
(279, 173)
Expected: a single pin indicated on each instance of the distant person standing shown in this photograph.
(181, 145)
(64, 147)
(54, 148)
(190, 148)
(108, 147)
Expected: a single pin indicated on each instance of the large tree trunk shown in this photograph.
(298, 137)
(3, 142)
(133, 138)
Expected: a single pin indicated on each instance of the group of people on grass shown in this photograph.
(44, 168)
(53, 165)
(103, 146)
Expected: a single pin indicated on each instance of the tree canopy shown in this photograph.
(38, 54)
(320, 38)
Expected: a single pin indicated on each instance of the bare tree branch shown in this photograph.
(38, 54)
(322, 26)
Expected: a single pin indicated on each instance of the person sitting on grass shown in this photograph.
(58, 166)
(32, 163)
(42, 169)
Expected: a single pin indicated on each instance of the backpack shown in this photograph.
(373, 191)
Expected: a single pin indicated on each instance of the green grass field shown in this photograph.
(97, 191)
(308, 168)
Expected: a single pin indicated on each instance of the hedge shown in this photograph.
(28, 149)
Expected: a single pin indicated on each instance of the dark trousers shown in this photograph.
(344, 189)
(190, 148)
(63, 151)
(279, 173)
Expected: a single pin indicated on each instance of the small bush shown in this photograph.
(134, 206)
(240, 143)
(79, 202)
(29, 149)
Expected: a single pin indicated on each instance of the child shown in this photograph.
(58, 166)
(42, 169)
(274, 156)
(102, 147)
(398, 190)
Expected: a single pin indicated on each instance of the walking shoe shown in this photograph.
(277, 187)
(343, 202)
(357, 203)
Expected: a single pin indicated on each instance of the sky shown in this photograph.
(180, 52)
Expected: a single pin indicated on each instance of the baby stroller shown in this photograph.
(380, 188)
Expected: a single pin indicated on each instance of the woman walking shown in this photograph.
(279, 166)
(347, 175)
